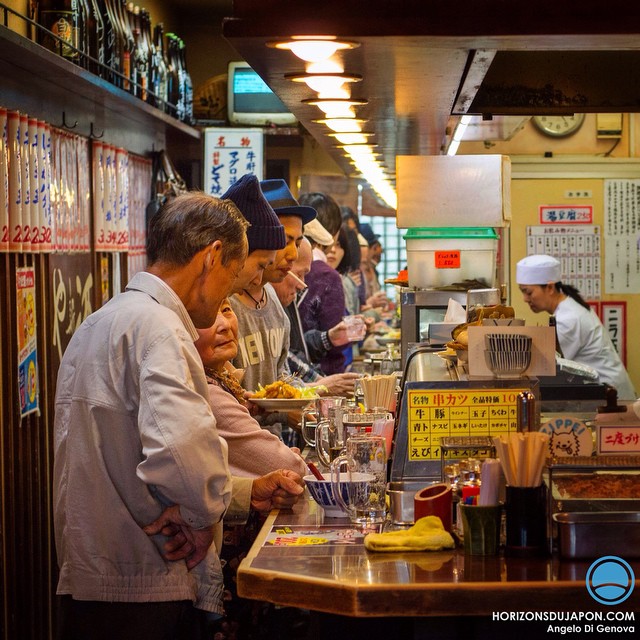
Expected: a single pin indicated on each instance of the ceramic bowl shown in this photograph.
(320, 491)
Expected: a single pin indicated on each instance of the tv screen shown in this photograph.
(251, 102)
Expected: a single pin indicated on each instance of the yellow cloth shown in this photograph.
(427, 534)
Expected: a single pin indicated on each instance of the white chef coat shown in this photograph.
(584, 340)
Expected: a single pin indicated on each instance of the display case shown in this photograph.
(594, 505)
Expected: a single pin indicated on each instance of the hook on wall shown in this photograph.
(93, 134)
(65, 124)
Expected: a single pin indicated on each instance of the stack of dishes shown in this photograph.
(507, 354)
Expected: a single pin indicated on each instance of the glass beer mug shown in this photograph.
(314, 413)
(330, 436)
(364, 480)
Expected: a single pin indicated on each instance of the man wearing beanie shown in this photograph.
(581, 335)
(266, 234)
(263, 326)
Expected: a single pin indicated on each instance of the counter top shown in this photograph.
(331, 571)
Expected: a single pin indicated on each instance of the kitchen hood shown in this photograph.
(419, 63)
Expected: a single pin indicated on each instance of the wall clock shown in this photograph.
(558, 126)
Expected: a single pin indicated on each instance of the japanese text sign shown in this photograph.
(230, 153)
(434, 414)
(566, 214)
(620, 438)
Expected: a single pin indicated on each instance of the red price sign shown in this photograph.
(447, 259)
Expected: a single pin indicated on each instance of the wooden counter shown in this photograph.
(345, 579)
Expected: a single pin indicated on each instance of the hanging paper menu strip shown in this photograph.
(434, 414)
(15, 180)
(99, 197)
(25, 182)
(34, 184)
(44, 166)
(122, 200)
(84, 193)
(4, 183)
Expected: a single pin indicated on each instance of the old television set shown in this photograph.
(251, 102)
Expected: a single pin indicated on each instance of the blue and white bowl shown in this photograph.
(321, 492)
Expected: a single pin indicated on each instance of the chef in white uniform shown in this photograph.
(581, 335)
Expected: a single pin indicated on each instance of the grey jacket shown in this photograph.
(133, 434)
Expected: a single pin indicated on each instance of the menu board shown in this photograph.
(622, 236)
(436, 413)
(578, 248)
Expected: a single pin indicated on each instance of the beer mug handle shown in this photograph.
(305, 428)
(335, 484)
(322, 435)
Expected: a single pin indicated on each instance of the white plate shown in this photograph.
(282, 404)
(568, 437)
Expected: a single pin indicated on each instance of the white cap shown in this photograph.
(538, 269)
(318, 233)
(362, 241)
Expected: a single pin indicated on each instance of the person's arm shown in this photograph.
(302, 369)
(253, 451)
(182, 456)
(279, 489)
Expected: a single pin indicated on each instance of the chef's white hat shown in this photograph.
(538, 269)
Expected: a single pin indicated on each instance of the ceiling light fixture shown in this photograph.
(351, 138)
(361, 150)
(337, 107)
(367, 164)
(343, 125)
(376, 177)
(323, 83)
(325, 66)
(313, 48)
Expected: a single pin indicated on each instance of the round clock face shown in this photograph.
(559, 126)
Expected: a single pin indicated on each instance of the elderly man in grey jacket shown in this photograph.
(141, 481)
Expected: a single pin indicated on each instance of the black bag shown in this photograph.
(166, 183)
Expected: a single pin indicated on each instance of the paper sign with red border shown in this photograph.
(566, 214)
(614, 319)
(617, 438)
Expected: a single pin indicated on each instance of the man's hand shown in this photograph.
(278, 489)
(185, 543)
(339, 384)
(338, 335)
(378, 299)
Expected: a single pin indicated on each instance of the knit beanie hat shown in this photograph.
(266, 231)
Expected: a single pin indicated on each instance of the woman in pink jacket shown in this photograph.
(252, 449)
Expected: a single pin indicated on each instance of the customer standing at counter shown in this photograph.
(253, 451)
(263, 324)
(323, 306)
(140, 476)
(581, 335)
(265, 234)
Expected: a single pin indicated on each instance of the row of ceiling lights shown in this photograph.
(326, 77)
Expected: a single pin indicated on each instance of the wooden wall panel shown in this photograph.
(26, 542)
